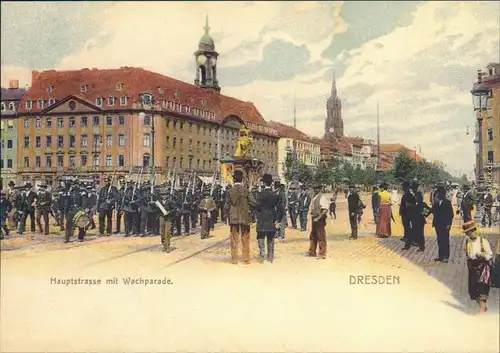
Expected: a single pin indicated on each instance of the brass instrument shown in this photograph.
(81, 219)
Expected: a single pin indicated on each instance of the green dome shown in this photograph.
(206, 40)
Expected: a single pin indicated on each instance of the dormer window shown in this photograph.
(12, 106)
(119, 86)
(83, 88)
(29, 104)
(50, 89)
(111, 101)
(3, 107)
(160, 90)
(187, 109)
(179, 107)
(51, 101)
(39, 104)
(123, 100)
(98, 101)
(164, 103)
(202, 113)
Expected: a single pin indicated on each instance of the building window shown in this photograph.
(48, 123)
(38, 141)
(96, 139)
(84, 160)
(145, 160)
(26, 142)
(123, 100)
(72, 141)
(95, 121)
(121, 160)
(147, 140)
(174, 162)
(9, 144)
(490, 134)
(84, 140)
(121, 140)
(121, 120)
(60, 160)
(48, 141)
(29, 105)
(490, 157)
(26, 123)
(60, 123)
(119, 86)
(48, 161)
(98, 101)
(109, 160)
(51, 101)
(111, 101)
(38, 123)
(10, 125)
(147, 120)
(168, 161)
(109, 140)
(83, 88)
(198, 163)
(9, 163)
(12, 106)
(26, 162)
(95, 160)
(38, 161)
(181, 162)
(190, 163)
(181, 126)
(39, 104)
(60, 141)
(109, 121)
(1, 163)
(72, 122)
(174, 142)
(83, 121)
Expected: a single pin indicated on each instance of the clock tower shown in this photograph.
(206, 62)
(334, 124)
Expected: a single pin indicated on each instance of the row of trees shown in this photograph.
(339, 172)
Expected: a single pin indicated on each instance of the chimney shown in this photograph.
(13, 84)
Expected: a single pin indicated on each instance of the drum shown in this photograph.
(81, 219)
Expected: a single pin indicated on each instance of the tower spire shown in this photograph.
(334, 86)
(207, 27)
(294, 111)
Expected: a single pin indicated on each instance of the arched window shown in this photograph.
(51, 101)
(98, 101)
(3, 106)
(145, 160)
(12, 106)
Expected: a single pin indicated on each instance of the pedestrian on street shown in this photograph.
(375, 204)
(319, 211)
(5, 207)
(269, 212)
(238, 206)
(404, 210)
(416, 207)
(353, 202)
(479, 254)
(385, 213)
(442, 221)
(304, 203)
(333, 207)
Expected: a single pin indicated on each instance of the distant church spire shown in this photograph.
(334, 87)
(334, 125)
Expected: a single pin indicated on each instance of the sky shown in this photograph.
(418, 60)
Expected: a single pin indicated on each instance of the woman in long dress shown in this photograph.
(479, 255)
(385, 212)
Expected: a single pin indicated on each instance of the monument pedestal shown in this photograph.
(252, 169)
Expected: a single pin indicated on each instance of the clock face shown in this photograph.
(331, 129)
(202, 59)
(213, 61)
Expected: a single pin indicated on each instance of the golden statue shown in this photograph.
(245, 142)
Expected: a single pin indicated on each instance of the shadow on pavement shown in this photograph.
(453, 274)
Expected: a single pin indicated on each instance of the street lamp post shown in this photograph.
(148, 102)
(480, 100)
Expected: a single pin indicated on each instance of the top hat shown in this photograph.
(469, 226)
(28, 185)
(267, 178)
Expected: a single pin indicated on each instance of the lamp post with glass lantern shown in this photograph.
(480, 100)
(148, 103)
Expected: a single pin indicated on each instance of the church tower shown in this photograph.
(334, 125)
(206, 62)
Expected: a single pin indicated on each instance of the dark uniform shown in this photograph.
(467, 204)
(78, 202)
(43, 204)
(353, 201)
(404, 210)
(416, 208)
(442, 221)
(119, 205)
(27, 208)
(186, 212)
(108, 197)
(293, 204)
(164, 197)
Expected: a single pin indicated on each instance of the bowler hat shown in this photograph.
(28, 185)
(267, 178)
(11, 183)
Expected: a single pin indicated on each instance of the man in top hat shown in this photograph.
(442, 221)
(467, 203)
(404, 209)
(269, 212)
(43, 203)
(14, 198)
(28, 208)
(416, 208)
(239, 203)
(108, 197)
(304, 203)
(353, 201)
(206, 207)
(319, 212)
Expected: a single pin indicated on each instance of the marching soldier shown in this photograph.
(64, 203)
(92, 204)
(293, 204)
(108, 196)
(143, 204)
(194, 216)
(177, 218)
(119, 204)
(28, 208)
(54, 207)
(186, 211)
(207, 206)
(77, 202)
(43, 204)
(304, 202)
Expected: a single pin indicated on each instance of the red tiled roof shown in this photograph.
(289, 131)
(344, 146)
(135, 81)
(356, 141)
(393, 147)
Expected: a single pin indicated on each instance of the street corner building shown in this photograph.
(89, 121)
